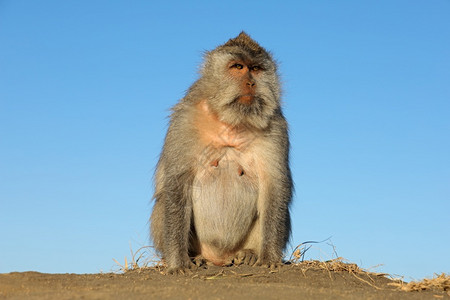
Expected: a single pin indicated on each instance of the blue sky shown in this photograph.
(86, 87)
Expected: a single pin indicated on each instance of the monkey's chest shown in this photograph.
(224, 197)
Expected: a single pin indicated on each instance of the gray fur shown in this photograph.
(231, 212)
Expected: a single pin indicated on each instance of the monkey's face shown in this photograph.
(245, 75)
(243, 88)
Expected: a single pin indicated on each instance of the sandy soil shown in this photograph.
(290, 282)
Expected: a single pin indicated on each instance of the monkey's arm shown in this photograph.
(178, 212)
(275, 217)
(174, 177)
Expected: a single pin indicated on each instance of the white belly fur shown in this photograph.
(224, 203)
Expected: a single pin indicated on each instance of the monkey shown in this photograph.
(223, 184)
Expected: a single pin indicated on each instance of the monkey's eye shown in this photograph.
(237, 66)
(255, 68)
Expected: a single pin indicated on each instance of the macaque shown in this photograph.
(223, 184)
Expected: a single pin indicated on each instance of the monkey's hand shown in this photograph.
(181, 270)
(271, 264)
(184, 268)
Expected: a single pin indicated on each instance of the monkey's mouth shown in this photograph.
(246, 99)
(248, 104)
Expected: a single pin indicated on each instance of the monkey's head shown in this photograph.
(240, 82)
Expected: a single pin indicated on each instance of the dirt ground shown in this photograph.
(307, 280)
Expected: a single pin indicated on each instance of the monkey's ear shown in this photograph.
(210, 61)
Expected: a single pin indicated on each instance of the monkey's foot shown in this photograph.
(199, 261)
(242, 257)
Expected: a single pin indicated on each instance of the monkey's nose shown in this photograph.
(250, 83)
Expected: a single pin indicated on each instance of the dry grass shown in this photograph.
(340, 265)
(337, 264)
(438, 282)
(146, 257)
